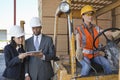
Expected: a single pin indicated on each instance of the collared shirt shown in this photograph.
(39, 38)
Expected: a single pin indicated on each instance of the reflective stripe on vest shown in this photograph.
(83, 37)
(89, 51)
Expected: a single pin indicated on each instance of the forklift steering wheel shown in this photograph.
(107, 39)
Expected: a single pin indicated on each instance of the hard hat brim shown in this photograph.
(18, 35)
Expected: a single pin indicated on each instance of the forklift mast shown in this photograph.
(71, 36)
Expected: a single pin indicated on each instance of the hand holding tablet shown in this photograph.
(35, 53)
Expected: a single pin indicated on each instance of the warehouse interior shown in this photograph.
(107, 16)
(61, 27)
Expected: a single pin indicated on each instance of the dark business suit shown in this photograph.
(14, 66)
(40, 69)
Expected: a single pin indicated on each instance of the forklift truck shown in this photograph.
(69, 70)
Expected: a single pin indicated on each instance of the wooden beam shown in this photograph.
(113, 18)
(75, 14)
(108, 8)
(87, 3)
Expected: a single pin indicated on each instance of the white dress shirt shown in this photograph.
(39, 38)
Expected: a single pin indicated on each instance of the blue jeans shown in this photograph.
(99, 60)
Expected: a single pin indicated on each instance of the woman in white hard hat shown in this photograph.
(14, 55)
(84, 38)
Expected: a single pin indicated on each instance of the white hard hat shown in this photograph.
(35, 22)
(16, 31)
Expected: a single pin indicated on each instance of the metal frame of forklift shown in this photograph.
(60, 70)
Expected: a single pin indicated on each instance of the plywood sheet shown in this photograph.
(106, 16)
(49, 7)
(117, 10)
(48, 26)
(62, 43)
(118, 21)
(104, 24)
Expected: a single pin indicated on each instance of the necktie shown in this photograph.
(37, 44)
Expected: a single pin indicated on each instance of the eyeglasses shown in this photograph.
(89, 14)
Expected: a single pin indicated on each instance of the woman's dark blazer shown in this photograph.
(14, 66)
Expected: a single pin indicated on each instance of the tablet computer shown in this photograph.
(33, 52)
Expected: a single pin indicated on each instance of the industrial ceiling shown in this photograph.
(101, 6)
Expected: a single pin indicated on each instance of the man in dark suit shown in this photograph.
(38, 66)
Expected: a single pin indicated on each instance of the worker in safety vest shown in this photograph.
(85, 34)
